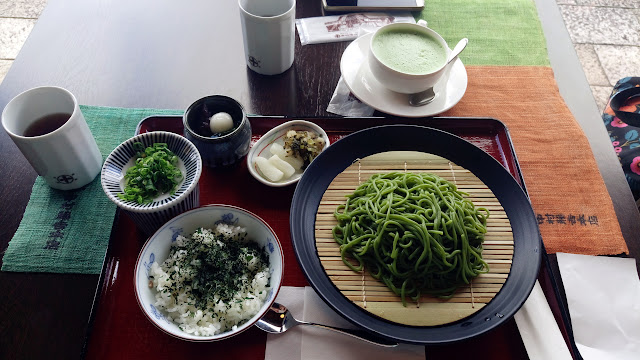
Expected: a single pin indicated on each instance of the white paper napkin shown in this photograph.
(603, 295)
(344, 102)
(538, 328)
(307, 342)
(345, 27)
(287, 346)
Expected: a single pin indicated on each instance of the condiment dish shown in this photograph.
(262, 148)
(150, 216)
(157, 249)
(218, 149)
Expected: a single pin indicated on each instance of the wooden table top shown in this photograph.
(165, 55)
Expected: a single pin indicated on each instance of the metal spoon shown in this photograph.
(427, 96)
(279, 319)
(422, 98)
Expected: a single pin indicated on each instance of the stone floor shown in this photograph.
(17, 18)
(605, 34)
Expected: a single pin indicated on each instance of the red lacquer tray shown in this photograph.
(120, 330)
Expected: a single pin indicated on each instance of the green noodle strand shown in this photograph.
(417, 233)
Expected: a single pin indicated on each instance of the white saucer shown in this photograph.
(357, 75)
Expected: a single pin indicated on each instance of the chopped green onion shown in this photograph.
(155, 173)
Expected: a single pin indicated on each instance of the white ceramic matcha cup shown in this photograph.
(403, 82)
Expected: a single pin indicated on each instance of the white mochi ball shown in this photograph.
(220, 122)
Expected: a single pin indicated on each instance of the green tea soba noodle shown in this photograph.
(415, 232)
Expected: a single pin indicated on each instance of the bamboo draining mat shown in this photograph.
(371, 294)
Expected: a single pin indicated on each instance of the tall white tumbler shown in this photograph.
(46, 124)
(268, 31)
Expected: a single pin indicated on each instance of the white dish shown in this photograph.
(157, 247)
(358, 78)
(261, 148)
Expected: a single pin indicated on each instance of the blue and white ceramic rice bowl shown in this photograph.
(157, 249)
(149, 217)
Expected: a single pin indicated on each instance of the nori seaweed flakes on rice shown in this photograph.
(212, 281)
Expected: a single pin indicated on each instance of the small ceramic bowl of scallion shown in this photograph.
(153, 177)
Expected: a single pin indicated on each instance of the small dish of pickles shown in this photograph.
(281, 155)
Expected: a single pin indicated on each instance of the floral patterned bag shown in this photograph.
(622, 120)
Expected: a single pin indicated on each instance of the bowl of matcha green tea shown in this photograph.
(408, 58)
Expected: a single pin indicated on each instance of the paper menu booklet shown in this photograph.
(372, 5)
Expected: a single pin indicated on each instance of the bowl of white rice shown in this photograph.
(209, 273)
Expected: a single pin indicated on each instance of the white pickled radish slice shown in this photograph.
(278, 149)
(268, 170)
(282, 165)
(294, 161)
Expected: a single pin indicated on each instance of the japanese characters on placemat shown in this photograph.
(567, 219)
(61, 219)
(573, 208)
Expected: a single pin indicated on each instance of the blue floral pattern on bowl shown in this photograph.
(228, 218)
(175, 232)
(147, 264)
(157, 248)
(158, 314)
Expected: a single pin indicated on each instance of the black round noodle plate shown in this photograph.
(340, 155)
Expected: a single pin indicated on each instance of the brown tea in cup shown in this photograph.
(46, 124)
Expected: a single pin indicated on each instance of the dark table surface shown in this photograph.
(165, 55)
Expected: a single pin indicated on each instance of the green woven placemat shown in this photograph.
(68, 231)
(500, 32)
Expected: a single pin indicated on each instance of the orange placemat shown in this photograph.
(575, 213)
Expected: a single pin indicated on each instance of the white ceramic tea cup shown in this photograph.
(66, 155)
(402, 81)
(268, 31)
